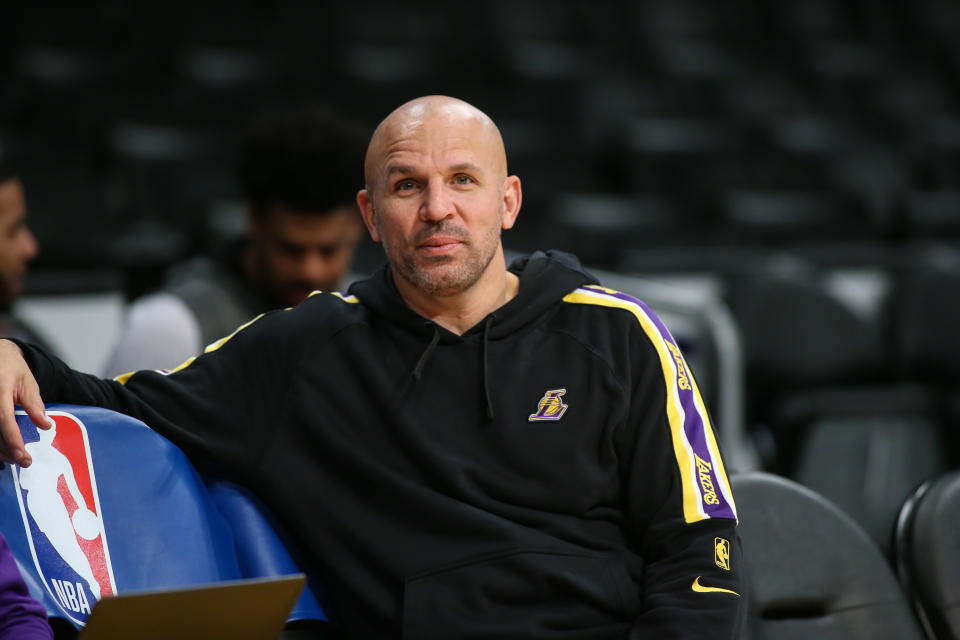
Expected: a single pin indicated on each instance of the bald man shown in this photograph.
(458, 448)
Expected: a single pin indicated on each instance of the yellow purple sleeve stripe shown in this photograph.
(346, 297)
(723, 484)
(213, 346)
(222, 341)
(124, 378)
(705, 488)
(691, 499)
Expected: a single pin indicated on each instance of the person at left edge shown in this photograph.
(18, 247)
(21, 616)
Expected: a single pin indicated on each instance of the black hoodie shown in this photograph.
(550, 473)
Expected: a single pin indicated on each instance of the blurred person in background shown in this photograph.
(298, 169)
(17, 248)
(21, 616)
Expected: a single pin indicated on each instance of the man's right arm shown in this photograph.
(17, 387)
(213, 407)
(29, 375)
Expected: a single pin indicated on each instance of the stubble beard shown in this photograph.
(443, 275)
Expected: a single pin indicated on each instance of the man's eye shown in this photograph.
(405, 185)
(463, 179)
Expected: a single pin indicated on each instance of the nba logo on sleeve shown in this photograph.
(61, 513)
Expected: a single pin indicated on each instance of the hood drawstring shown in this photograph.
(421, 363)
(486, 376)
(417, 370)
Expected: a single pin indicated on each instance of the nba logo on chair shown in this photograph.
(61, 514)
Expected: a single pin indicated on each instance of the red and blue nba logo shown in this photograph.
(61, 513)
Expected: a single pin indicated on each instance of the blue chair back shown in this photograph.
(110, 506)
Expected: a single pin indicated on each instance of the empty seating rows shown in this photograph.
(749, 123)
(850, 378)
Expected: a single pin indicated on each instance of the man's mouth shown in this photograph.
(439, 245)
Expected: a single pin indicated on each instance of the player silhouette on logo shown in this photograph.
(48, 509)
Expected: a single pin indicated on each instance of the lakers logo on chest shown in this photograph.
(550, 408)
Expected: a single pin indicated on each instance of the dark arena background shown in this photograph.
(780, 179)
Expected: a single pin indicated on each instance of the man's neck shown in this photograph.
(461, 311)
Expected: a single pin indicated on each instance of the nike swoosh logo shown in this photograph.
(699, 588)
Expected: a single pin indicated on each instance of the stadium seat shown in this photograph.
(693, 156)
(601, 229)
(866, 449)
(797, 334)
(932, 151)
(148, 522)
(784, 217)
(928, 554)
(759, 95)
(818, 17)
(812, 572)
(689, 17)
(819, 388)
(260, 549)
(168, 173)
(931, 214)
(924, 310)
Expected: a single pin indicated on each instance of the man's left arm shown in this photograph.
(680, 507)
(693, 586)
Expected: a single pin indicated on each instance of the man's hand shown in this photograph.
(17, 387)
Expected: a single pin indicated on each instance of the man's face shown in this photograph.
(17, 244)
(295, 253)
(438, 200)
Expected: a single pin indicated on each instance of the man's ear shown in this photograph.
(512, 198)
(365, 202)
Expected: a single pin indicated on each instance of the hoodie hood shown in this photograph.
(545, 277)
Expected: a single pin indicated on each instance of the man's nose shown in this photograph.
(437, 203)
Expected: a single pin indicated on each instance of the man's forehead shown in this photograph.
(408, 160)
(445, 148)
(447, 130)
(400, 164)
